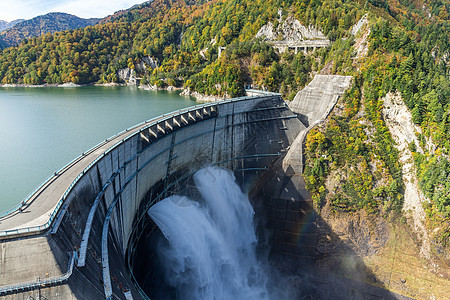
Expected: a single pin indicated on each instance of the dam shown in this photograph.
(79, 236)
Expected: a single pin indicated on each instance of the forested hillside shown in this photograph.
(405, 49)
(408, 53)
(354, 169)
(174, 33)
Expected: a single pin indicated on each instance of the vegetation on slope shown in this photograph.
(174, 33)
(409, 53)
(352, 161)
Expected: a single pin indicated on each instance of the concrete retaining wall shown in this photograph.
(316, 100)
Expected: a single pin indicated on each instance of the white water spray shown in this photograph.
(209, 252)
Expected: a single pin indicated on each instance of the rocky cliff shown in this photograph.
(399, 121)
(289, 30)
(128, 75)
(145, 63)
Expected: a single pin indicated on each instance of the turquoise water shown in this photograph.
(42, 129)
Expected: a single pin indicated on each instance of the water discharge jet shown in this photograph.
(207, 250)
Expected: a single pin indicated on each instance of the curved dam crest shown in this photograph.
(84, 245)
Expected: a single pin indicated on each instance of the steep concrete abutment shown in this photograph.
(284, 204)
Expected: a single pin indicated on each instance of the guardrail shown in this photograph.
(41, 228)
(41, 282)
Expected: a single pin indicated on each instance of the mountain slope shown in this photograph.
(40, 25)
(5, 25)
(353, 167)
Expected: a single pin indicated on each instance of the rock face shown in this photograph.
(361, 45)
(128, 75)
(291, 35)
(290, 30)
(148, 87)
(365, 234)
(145, 63)
(399, 121)
(203, 98)
(357, 27)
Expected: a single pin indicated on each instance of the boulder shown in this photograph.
(128, 75)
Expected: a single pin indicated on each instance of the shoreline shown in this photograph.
(74, 85)
(148, 87)
(63, 85)
(201, 97)
(186, 92)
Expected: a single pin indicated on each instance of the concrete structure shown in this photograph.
(318, 98)
(305, 45)
(290, 34)
(78, 236)
(94, 209)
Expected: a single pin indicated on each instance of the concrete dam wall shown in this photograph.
(79, 236)
(87, 251)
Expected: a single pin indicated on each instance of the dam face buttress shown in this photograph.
(78, 236)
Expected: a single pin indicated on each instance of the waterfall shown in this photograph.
(207, 250)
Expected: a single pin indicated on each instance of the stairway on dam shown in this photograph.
(85, 242)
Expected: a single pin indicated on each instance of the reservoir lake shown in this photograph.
(44, 128)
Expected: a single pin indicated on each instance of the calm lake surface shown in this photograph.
(43, 129)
